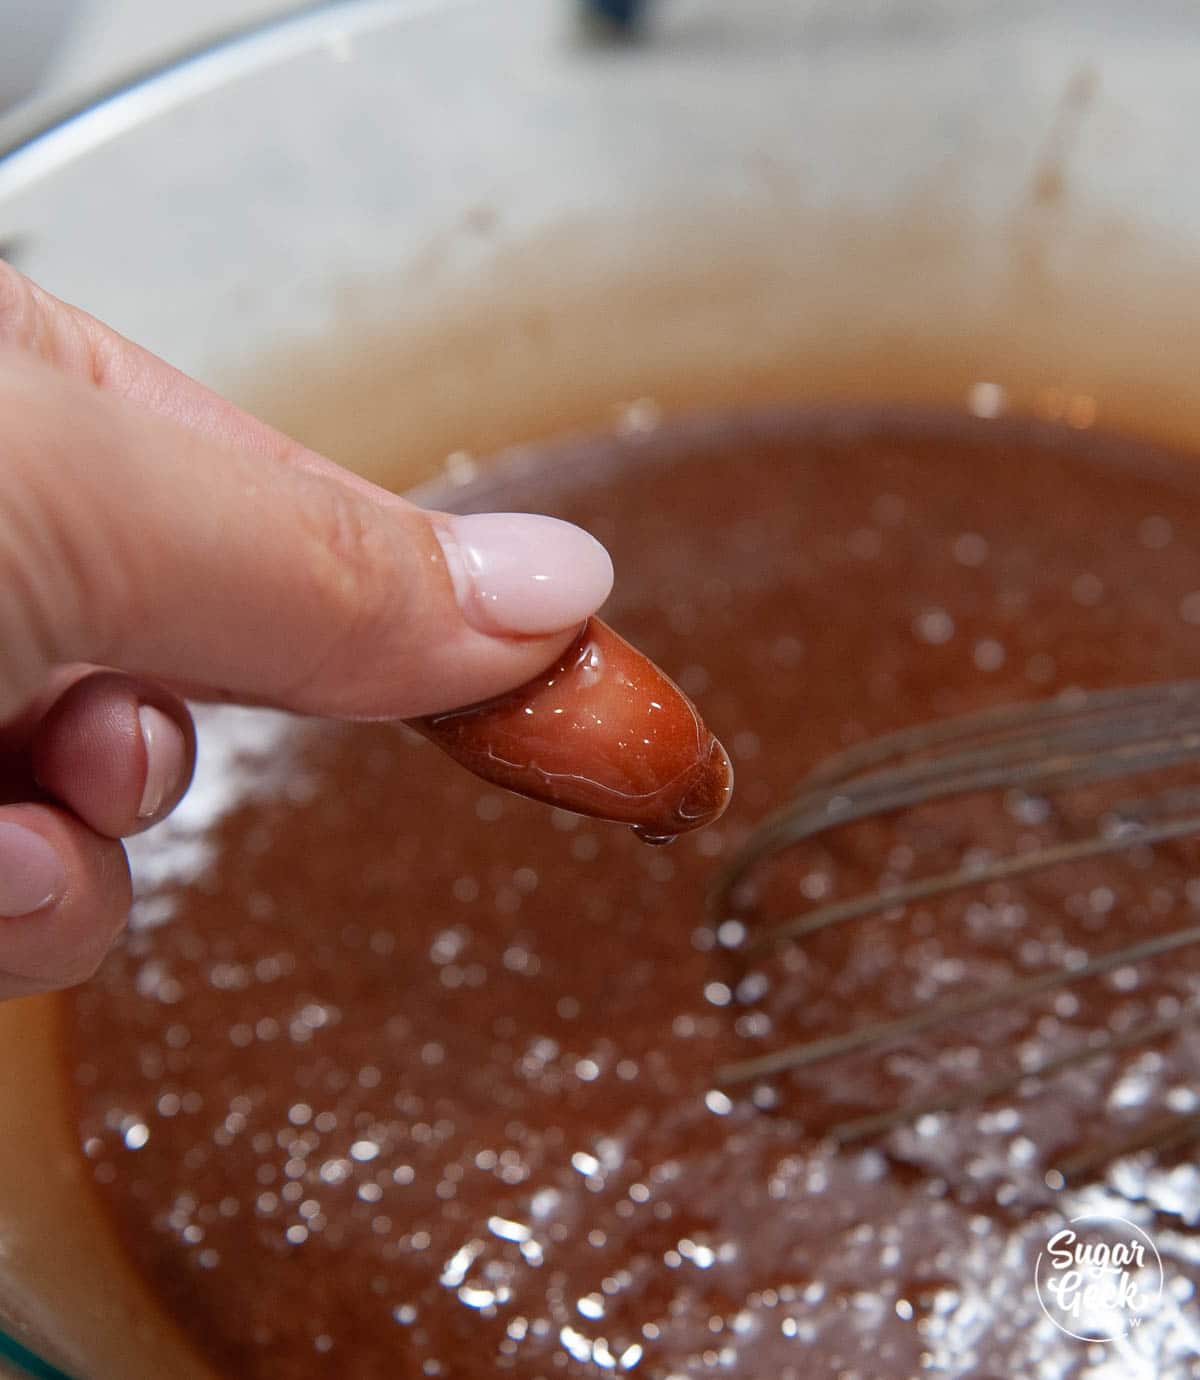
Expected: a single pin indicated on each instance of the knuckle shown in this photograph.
(348, 550)
(17, 308)
(37, 324)
(30, 608)
(354, 557)
(43, 586)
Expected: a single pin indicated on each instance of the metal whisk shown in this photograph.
(1037, 749)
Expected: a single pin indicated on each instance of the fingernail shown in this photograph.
(518, 573)
(166, 754)
(31, 874)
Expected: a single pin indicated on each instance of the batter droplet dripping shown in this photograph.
(479, 1038)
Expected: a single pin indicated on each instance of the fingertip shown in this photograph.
(168, 766)
(64, 897)
(32, 875)
(117, 751)
(523, 574)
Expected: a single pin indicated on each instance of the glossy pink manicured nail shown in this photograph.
(31, 873)
(522, 574)
(166, 759)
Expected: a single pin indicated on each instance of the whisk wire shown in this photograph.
(864, 1127)
(1075, 740)
(1001, 869)
(1069, 742)
(886, 1033)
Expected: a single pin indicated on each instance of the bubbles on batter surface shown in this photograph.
(469, 1115)
(934, 626)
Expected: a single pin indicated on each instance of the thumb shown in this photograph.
(128, 541)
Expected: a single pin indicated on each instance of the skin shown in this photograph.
(119, 480)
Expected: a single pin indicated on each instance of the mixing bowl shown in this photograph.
(407, 230)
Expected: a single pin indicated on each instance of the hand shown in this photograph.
(155, 541)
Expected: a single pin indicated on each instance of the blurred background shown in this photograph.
(54, 53)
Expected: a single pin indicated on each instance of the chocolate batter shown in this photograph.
(397, 1075)
(603, 733)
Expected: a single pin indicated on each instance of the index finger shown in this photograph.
(68, 338)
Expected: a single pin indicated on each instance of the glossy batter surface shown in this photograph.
(603, 733)
(399, 1075)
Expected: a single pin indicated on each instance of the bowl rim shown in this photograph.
(41, 137)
